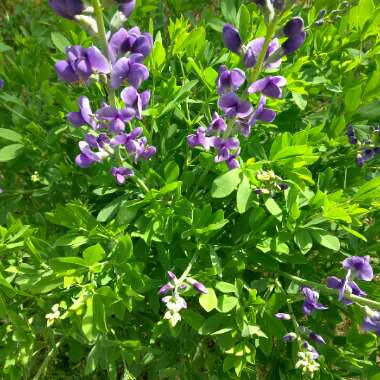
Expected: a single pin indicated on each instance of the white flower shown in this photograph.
(175, 303)
(51, 317)
(307, 362)
(173, 317)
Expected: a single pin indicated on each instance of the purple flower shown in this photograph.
(290, 337)
(67, 8)
(367, 154)
(165, 289)
(200, 139)
(229, 80)
(283, 316)
(359, 267)
(294, 27)
(311, 301)
(269, 86)
(316, 338)
(293, 43)
(127, 6)
(224, 148)
(135, 101)
(233, 106)
(130, 69)
(171, 276)
(232, 39)
(87, 157)
(254, 49)
(84, 116)
(261, 113)
(372, 323)
(217, 124)
(2, 84)
(121, 174)
(311, 349)
(351, 135)
(130, 41)
(116, 118)
(198, 286)
(344, 285)
(81, 63)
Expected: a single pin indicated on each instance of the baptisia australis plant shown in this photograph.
(234, 86)
(119, 62)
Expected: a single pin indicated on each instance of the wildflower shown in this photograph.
(293, 27)
(233, 106)
(35, 177)
(135, 101)
(198, 286)
(165, 288)
(343, 286)
(293, 43)
(130, 69)
(351, 135)
(359, 267)
(52, 317)
(254, 48)
(269, 86)
(67, 8)
(372, 322)
(84, 116)
(115, 118)
(283, 316)
(200, 139)
(87, 157)
(232, 39)
(121, 174)
(2, 82)
(229, 80)
(316, 338)
(307, 360)
(228, 150)
(311, 301)
(217, 124)
(290, 337)
(174, 305)
(127, 6)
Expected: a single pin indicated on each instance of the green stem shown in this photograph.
(202, 178)
(140, 183)
(324, 289)
(188, 268)
(98, 13)
(45, 363)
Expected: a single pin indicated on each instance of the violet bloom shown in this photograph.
(283, 316)
(2, 82)
(115, 118)
(351, 135)
(228, 81)
(130, 69)
(290, 337)
(293, 43)
(224, 148)
(87, 157)
(293, 27)
(311, 301)
(135, 101)
(260, 114)
(217, 124)
(198, 286)
(277, 4)
(269, 86)
(165, 288)
(311, 349)
(127, 6)
(232, 39)
(130, 41)
(359, 266)
(121, 174)
(372, 323)
(84, 116)
(171, 276)
(367, 154)
(316, 338)
(254, 49)
(81, 63)
(67, 8)
(343, 286)
(233, 106)
(200, 139)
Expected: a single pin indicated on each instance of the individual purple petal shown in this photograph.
(121, 174)
(2, 84)
(67, 8)
(65, 72)
(165, 289)
(293, 43)
(317, 338)
(200, 139)
(311, 349)
(351, 135)
(294, 27)
(97, 60)
(75, 118)
(137, 74)
(120, 72)
(198, 286)
(311, 301)
(372, 323)
(127, 6)
(269, 86)
(232, 39)
(359, 266)
(229, 80)
(217, 124)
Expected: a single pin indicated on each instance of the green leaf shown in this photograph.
(369, 191)
(369, 112)
(60, 41)
(171, 171)
(10, 135)
(325, 238)
(229, 10)
(94, 254)
(10, 152)
(124, 249)
(243, 196)
(303, 240)
(195, 320)
(99, 310)
(300, 100)
(224, 185)
(226, 303)
(208, 301)
(88, 327)
(215, 261)
(225, 287)
(244, 22)
(274, 208)
(366, 11)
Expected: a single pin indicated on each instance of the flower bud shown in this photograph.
(2, 84)
(290, 337)
(232, 39)
(294, 27)
(283, 316)
(293, 43)
(166, 288)
(317, 338)
(127, 6)
(171, 276)
(67, 8)
(198, 286)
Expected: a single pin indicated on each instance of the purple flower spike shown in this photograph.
(316, 338)
(229, 80)
(200, 139)
(293, 43)
(121, 174)
(217, 124)
(165, 289)
(232, 39)
(290, 337)
(254, 49)
(133, 100)
(311, 301)
(84, 116)
(129, 69)
(294, 27)
(233, 106)
(67, 8)
(359, 267)
(283, 316)
(269, 86)
(127, 6)
(372, 323)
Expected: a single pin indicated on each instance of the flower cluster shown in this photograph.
(238, 114)
(270, 182)
(111, 135)
(174, 302)
(368, 149)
